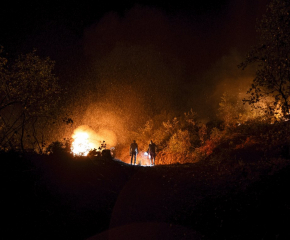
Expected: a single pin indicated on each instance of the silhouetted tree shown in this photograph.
(272, 55)
(28, 94)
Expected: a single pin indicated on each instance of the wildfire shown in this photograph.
(81, 145)
(86, 140)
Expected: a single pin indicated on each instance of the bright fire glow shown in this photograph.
(81, 145)
(144, 159)
(86, 139)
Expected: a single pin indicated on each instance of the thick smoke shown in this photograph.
(146, 61)
(223, 77)
(143, 62)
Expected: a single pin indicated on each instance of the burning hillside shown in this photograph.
(86, 139)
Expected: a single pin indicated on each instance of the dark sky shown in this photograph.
(20, 20)
(189, 49)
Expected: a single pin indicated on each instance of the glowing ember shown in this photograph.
(81, 145)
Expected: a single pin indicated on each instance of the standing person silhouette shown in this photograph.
(133, 151)
(152, 152)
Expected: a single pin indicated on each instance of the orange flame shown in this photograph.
(81, 145)
(86, 139)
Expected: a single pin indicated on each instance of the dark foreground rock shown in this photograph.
(64, 198)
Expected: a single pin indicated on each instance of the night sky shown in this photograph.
(138, 57)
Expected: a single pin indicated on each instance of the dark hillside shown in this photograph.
(49, 197)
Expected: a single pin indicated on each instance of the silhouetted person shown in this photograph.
(152, 152)
(133, 151)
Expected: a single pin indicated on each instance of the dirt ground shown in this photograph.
(61, 198)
